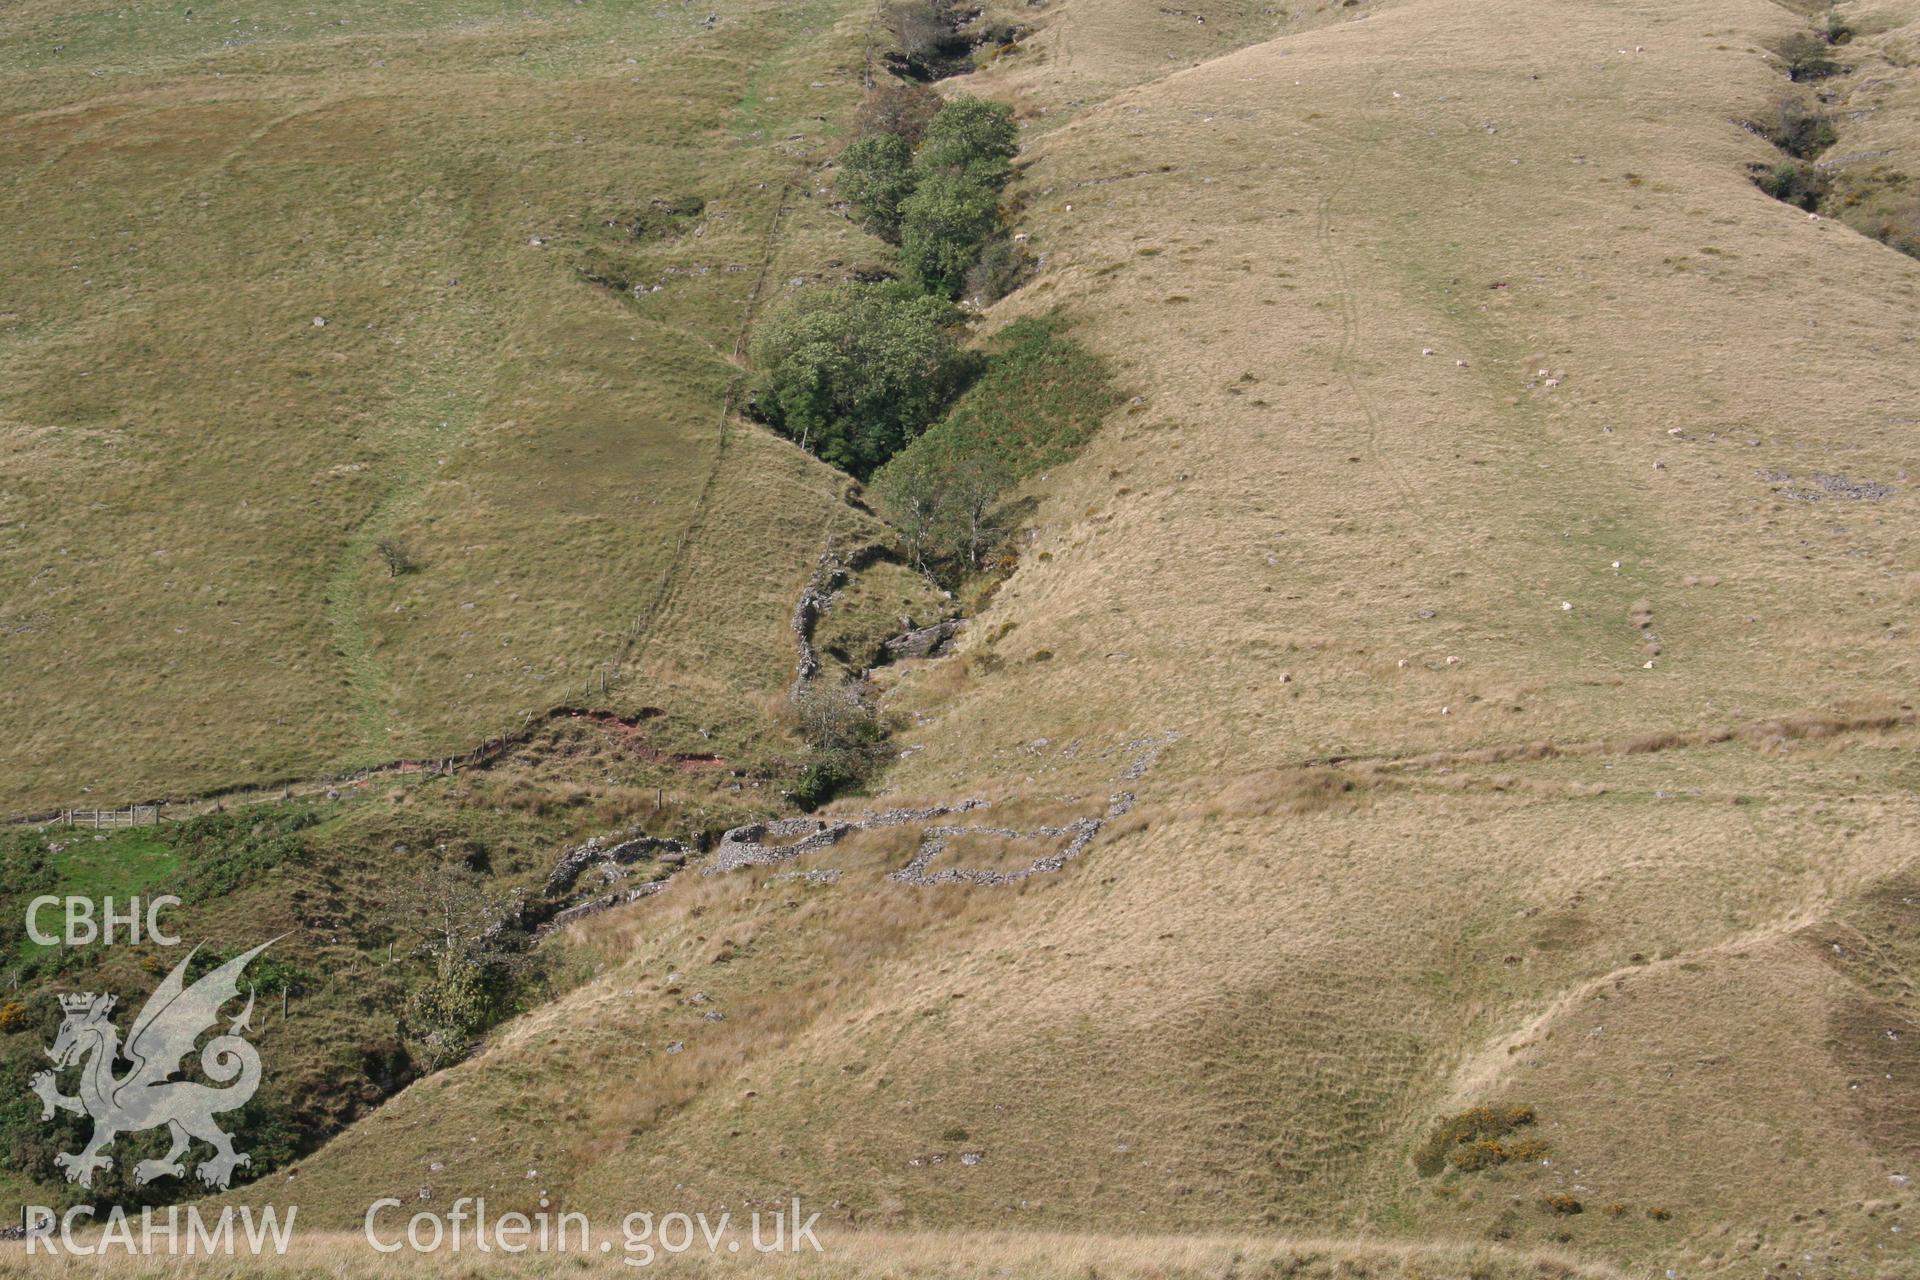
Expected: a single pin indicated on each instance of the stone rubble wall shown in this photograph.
(746, 847)
(605, 902)
(780, 840)
(612, 858)
(933, 841)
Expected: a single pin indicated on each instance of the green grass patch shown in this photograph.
(1041, 398)
(81, 864)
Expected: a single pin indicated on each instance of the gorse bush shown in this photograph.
(223, 851)
(855, 371)
(1479, 1138)
(266, 973)
(1484, 1153)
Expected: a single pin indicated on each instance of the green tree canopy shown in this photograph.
(942, 226)
(943, 500)
(971, 137)
(876, 174)
(855, 371)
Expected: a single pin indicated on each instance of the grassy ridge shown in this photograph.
(1503, 730)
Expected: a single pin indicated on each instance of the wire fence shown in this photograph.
(134, 815)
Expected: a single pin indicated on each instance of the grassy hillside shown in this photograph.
(300, 283)
(1443, 767)
(1499, 599)
(1517, 208)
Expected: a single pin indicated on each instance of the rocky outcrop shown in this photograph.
(923, 642)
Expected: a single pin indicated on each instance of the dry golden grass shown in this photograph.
(902, 1256)
(199, 472)
(1559, 878)
(1306, 487)
(1332, 545)
(1252, 998)
(1197, 1025)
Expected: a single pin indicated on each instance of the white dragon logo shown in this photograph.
(146, 1097)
